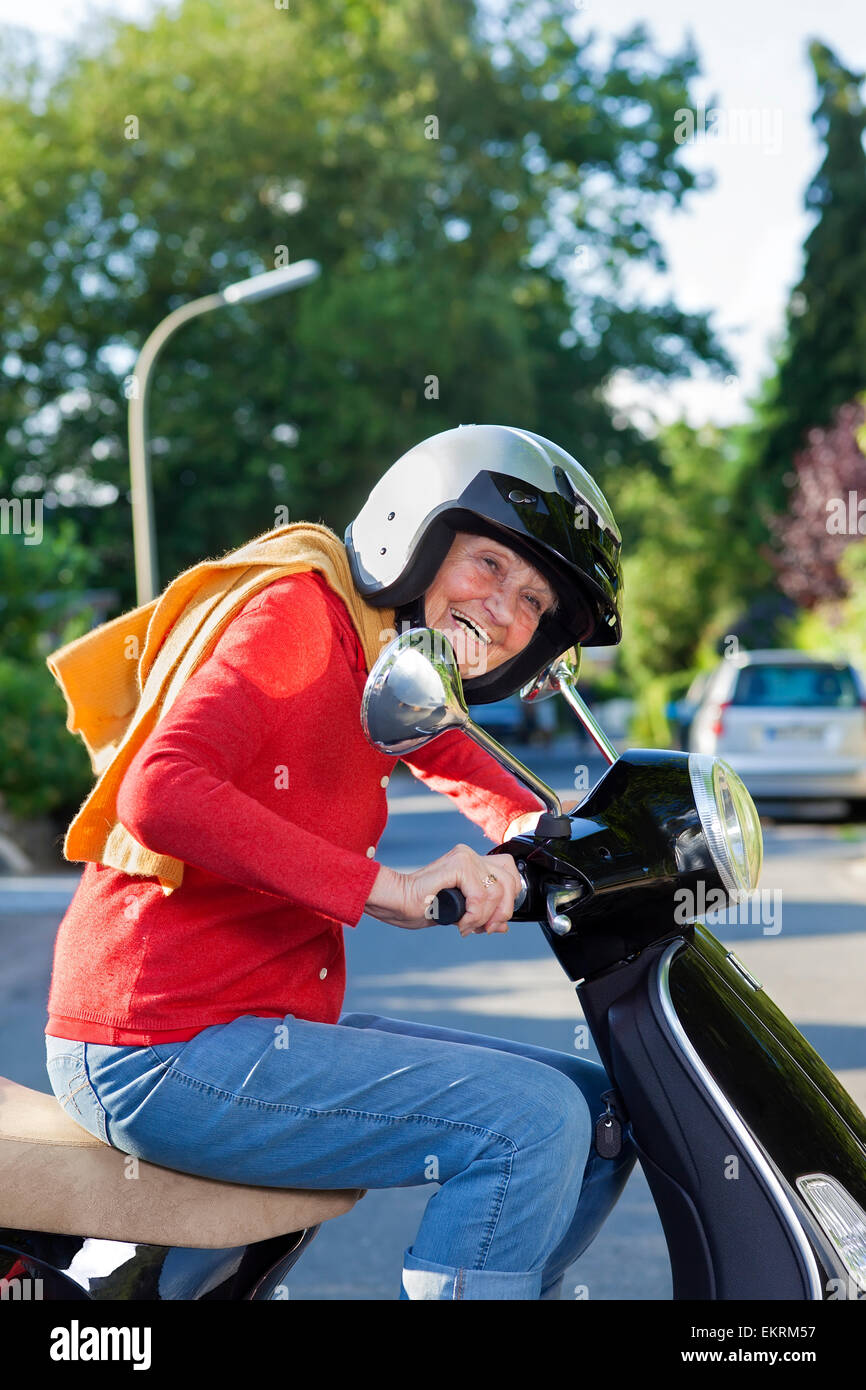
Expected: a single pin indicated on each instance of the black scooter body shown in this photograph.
(728, 1102)
(729, 1105)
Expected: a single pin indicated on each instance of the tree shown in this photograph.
(681, 554)
(826, 513)
(475, 189)
(820, 365)
(836, 628)
(42, 769)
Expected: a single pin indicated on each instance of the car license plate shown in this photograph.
(794, 733)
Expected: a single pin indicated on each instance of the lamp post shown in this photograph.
(288, 277)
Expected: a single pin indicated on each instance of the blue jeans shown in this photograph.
(501, 1131)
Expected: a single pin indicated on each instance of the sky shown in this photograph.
(733, 251)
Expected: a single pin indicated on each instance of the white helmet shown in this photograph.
(520, 489)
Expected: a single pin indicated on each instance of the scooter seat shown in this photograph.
(55, 1176)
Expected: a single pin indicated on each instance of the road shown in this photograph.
(807, 947)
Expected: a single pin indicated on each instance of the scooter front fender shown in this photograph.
(729, 1105)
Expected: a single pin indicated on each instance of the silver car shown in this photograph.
(790, 724)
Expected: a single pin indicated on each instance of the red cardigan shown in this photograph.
(259, 777)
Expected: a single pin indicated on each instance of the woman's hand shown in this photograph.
(525, 824)
(405, 900)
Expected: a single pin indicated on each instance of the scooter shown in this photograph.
(754, 1153)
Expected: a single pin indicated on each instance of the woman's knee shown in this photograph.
(532, 1106)
(554, 1118)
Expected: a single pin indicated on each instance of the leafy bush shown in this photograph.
(44, 770)
(838, 629)
(681, 555)
(650, 727)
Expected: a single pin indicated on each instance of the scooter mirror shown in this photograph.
(414, 693)
(560, 677)
(547, 682)
(567, 666)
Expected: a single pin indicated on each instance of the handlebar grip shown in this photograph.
(450, 904)
(449, 907)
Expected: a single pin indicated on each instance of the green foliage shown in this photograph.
(44, 770)
(493, 258)
(40, 589)
(650, 726)
(681, 554)
(819, 364)
(603, 682)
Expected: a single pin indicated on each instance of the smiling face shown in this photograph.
(488, 602)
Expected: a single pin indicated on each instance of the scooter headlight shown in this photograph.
(842, 1219)
(730, 823)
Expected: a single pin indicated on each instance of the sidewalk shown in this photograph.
(32, 893)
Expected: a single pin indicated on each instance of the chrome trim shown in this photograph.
(735, 1121)
(564, 673)
(737, 877)
(741, 970)
(563, 896)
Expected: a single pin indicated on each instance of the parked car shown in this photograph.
(680, 713)
(792, 725)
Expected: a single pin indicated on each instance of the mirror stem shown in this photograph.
(590, 723)
(502, 755)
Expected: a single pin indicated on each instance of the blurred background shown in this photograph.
(637, 230)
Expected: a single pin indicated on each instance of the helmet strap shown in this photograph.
(411, 613)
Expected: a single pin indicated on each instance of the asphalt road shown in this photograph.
(807, 946)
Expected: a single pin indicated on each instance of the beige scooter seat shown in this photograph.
(54, 1176)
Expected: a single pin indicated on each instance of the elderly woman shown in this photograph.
(201, 1028)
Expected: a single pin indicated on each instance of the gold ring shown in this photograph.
(491, 878)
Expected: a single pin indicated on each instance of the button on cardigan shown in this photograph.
(260, 778)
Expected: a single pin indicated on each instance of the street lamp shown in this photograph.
(288, 277)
